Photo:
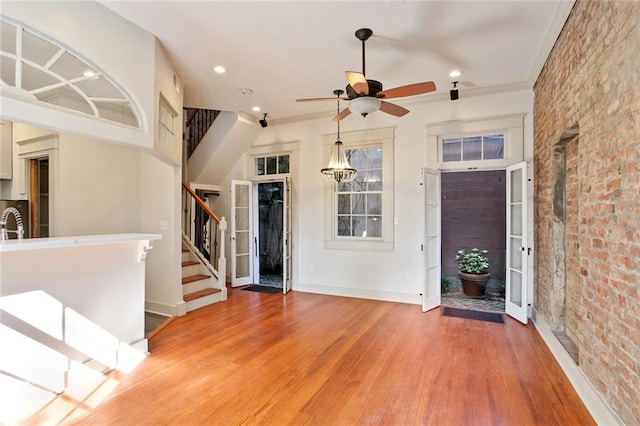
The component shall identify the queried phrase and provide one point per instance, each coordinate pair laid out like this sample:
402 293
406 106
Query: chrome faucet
4 234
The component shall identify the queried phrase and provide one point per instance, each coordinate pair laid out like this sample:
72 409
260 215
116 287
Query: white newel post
222 260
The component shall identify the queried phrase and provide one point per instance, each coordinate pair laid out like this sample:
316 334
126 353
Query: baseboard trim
165 309
384 296
592 399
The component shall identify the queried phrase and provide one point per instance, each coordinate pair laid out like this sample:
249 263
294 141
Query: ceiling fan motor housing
374 87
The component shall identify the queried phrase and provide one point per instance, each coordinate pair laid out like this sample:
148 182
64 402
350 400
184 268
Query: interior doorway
473 215
269 235
39 197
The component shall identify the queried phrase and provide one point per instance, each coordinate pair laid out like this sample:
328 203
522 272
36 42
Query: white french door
241 233
287 236
432 240
516 262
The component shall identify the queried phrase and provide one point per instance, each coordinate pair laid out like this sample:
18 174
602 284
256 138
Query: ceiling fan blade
320 99
393 109
408 90
345 112
358 82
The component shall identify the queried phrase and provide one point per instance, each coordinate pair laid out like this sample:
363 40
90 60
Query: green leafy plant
473 262
445 284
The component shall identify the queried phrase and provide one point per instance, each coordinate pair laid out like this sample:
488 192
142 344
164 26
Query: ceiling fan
367 96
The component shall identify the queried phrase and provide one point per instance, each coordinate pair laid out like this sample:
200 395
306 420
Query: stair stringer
229 137
202 267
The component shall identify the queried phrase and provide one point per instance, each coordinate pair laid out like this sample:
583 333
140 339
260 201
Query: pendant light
339 168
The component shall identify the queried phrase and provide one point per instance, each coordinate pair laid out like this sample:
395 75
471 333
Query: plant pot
473 284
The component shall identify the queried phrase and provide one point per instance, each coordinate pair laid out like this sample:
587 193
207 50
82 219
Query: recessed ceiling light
256 108
220 69
455 73
89 73
246 91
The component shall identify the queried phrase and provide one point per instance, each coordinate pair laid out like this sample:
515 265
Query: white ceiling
297 49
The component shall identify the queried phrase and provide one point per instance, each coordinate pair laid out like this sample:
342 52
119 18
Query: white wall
395 275
160 213
98 188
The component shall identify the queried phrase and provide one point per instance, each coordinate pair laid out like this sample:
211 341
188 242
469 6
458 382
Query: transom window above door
272 165
473 148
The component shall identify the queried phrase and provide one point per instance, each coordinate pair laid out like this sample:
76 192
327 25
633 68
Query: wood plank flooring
308 359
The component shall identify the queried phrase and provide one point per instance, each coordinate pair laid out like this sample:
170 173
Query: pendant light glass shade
339 168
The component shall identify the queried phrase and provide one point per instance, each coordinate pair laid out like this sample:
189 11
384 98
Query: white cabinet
6 159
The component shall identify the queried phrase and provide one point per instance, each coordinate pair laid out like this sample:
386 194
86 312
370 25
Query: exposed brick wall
474 215
592 80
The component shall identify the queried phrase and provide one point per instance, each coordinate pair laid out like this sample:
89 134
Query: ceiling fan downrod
363 35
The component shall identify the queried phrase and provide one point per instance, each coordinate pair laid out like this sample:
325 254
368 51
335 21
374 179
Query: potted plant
473 269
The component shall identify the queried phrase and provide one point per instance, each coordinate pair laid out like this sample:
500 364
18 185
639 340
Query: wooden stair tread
189 263
192 278
200 293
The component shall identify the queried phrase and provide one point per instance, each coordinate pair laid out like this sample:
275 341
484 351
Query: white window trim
384 137
511 126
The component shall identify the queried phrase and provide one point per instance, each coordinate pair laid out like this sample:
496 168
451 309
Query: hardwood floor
323 360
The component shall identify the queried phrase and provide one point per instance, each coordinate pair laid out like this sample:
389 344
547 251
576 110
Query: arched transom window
36 67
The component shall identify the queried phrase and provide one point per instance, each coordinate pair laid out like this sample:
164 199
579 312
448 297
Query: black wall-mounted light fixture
263 122
453 93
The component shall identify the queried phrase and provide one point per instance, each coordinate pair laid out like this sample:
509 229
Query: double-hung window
359 202
359 214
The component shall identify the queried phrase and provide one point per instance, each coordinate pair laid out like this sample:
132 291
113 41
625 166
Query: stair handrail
200 202
206 237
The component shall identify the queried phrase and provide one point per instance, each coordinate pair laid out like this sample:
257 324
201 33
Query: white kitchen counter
83 240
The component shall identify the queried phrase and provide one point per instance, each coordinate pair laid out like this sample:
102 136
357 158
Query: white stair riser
192 270
186 255
204 301
197 285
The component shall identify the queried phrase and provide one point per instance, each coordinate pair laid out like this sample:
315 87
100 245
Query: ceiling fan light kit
364 105
366 95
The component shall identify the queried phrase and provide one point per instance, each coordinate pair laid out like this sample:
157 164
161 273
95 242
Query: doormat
263 289
471 314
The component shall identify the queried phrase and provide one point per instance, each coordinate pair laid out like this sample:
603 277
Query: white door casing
516 262
286 236
241 233
431 297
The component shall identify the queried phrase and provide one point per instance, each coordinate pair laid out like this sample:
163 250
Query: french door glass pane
515 296
516 187
516 220
516 253
242 265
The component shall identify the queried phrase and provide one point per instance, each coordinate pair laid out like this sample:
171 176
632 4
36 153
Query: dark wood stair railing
197 123
200 224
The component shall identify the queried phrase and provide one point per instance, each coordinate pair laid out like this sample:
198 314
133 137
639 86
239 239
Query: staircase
199 286
202 282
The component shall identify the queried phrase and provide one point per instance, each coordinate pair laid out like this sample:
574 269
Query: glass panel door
241 233
516 279
432 246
